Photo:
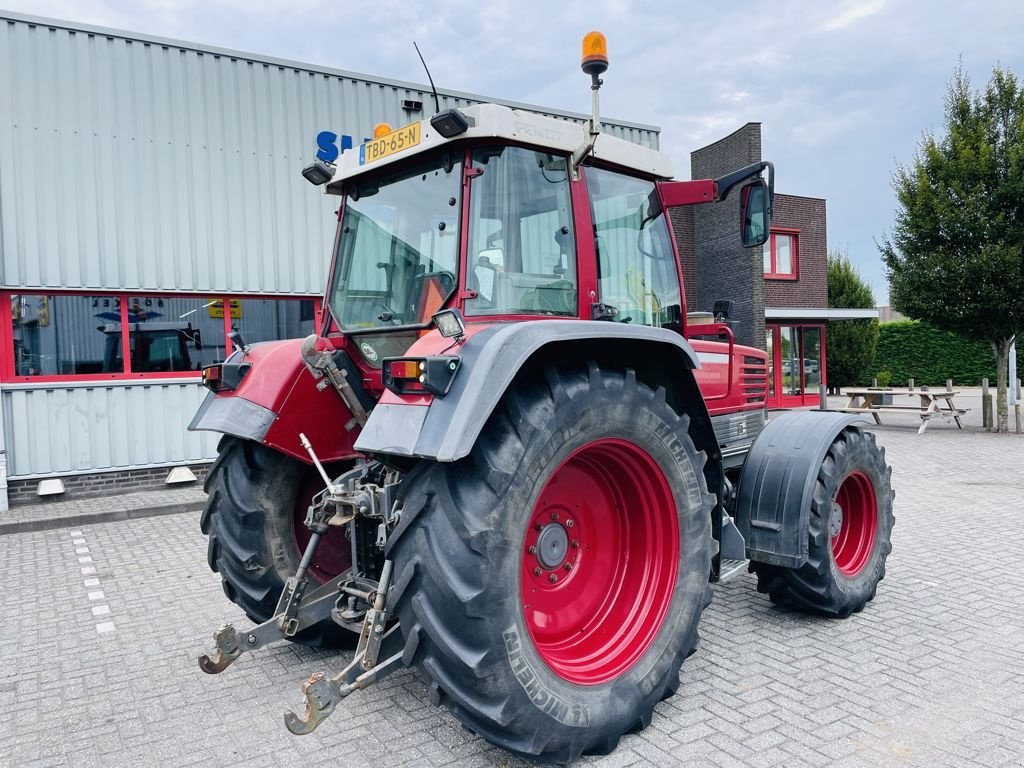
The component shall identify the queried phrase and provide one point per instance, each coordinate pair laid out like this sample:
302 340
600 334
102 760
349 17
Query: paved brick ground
98 668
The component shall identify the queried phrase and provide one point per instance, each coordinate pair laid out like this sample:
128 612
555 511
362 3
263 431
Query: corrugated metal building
150 199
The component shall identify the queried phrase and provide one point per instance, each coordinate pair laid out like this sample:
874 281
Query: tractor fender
773 501
277 398
447 428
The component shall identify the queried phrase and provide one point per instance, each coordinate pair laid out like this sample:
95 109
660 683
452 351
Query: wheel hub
552 545
836 524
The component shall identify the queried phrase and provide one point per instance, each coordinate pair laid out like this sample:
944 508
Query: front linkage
360 499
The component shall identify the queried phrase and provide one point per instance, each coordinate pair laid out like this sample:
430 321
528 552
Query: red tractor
507 459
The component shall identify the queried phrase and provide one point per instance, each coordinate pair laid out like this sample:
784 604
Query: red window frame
7 332
772 273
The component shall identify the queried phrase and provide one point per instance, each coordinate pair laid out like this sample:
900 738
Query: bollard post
949 385
986 405
822 396
874 383
910 385
1016 407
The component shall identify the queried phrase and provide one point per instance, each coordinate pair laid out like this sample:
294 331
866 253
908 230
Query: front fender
446 428
773 503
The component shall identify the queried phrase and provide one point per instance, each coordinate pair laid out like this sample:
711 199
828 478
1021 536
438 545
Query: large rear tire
256 500
550 584
850 533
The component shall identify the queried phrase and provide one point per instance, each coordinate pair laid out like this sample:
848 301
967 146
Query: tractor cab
503 221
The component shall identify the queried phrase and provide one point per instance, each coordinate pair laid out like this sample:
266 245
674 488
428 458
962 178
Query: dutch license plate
396 141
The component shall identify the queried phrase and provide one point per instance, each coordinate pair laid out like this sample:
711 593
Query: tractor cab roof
504 124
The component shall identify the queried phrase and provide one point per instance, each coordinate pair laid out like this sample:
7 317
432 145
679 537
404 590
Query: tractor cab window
522 251
636 267
398 248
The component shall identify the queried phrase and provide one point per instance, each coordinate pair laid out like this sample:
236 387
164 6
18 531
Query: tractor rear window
522 249
398 248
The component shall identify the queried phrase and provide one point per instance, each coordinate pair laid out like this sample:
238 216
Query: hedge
908 349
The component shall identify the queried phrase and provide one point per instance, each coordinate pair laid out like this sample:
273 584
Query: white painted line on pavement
82 550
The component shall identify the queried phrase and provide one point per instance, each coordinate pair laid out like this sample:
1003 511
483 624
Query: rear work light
420 375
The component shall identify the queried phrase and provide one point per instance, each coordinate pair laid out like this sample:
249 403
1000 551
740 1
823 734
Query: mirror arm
725 184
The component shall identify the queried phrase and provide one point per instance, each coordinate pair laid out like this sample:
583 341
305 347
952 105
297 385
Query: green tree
851 343
956 256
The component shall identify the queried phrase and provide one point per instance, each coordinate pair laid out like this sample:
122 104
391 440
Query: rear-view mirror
754 205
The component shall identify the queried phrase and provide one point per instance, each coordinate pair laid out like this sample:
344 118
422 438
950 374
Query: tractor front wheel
849 530
550 584
256 504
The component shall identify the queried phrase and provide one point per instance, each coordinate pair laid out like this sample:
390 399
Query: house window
129 336
780 255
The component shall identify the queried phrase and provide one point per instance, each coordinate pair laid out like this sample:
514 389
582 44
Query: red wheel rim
854 523
334 552
599 561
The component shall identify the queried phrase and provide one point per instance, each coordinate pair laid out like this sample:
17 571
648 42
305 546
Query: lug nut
532 550
538 527
575 545
552 578
251 639
554 515
568 566
569 523
536 571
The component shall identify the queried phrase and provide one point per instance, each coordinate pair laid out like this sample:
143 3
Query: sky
844 90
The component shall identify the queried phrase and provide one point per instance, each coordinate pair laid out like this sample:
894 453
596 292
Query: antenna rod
437 104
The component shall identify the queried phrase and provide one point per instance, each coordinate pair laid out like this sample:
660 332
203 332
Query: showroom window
130 336
780 255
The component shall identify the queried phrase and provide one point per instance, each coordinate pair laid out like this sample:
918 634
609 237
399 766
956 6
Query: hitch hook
322 696
228 649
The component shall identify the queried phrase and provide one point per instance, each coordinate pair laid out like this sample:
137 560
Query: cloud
852 13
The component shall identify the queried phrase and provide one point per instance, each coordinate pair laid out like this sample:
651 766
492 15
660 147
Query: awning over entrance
817 313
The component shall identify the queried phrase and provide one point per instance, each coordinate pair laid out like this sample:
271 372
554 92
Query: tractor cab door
637 270
521 253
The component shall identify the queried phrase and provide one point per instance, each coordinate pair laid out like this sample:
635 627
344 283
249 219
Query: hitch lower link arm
293 613
323 693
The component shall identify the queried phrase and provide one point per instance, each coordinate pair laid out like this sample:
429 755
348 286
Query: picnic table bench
931 402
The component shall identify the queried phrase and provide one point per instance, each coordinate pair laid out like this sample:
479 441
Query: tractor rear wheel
850 533
550 584
256 504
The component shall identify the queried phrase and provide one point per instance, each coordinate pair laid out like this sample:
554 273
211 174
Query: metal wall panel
91 428
139 163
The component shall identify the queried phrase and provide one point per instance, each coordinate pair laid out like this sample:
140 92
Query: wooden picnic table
931 402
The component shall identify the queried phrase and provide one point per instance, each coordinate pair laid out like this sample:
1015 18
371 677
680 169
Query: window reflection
56 335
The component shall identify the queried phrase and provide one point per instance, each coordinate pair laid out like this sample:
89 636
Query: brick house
779 293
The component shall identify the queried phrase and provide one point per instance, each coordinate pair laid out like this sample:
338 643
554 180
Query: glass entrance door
795 364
